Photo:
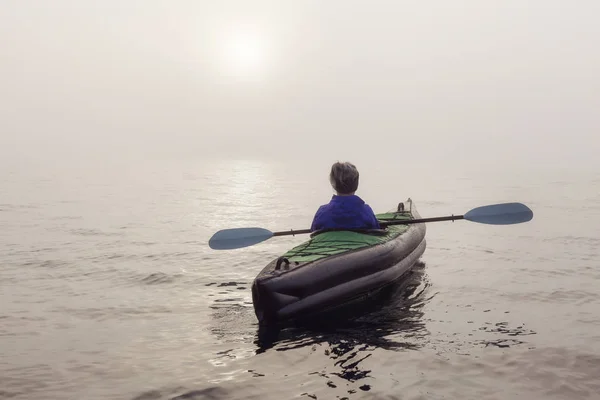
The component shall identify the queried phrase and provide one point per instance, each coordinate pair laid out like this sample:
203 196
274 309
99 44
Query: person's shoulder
328 204
368 208
360 200
322 208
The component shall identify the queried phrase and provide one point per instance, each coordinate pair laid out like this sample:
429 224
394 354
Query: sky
464 82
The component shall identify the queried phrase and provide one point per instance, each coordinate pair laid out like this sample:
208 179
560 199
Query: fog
447 83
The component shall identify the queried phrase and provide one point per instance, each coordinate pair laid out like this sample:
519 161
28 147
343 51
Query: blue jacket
345 212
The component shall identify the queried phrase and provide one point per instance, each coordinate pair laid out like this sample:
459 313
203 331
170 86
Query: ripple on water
115 312
214 392
94 232
232 311
158 278
229 293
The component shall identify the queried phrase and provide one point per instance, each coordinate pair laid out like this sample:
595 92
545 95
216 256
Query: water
108 288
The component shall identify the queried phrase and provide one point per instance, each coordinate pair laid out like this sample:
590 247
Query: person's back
345 210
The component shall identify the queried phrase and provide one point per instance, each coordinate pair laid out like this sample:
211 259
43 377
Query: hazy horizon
499 83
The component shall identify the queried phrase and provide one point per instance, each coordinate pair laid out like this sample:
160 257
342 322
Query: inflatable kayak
337 267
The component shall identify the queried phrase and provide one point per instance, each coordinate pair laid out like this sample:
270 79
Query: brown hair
344 177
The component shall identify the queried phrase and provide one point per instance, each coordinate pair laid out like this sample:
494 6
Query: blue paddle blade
236 238
500 214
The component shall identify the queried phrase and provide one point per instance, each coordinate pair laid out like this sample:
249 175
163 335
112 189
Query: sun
245 54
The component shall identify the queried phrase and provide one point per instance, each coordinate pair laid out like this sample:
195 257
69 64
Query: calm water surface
108 289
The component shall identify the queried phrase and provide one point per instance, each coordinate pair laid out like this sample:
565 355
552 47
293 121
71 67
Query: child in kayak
345 210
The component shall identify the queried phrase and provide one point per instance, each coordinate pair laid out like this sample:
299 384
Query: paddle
496 214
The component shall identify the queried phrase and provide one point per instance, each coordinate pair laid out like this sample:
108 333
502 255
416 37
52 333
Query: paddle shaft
422 220
292 232
383 224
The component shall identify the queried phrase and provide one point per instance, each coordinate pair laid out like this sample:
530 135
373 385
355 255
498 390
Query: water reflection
391 321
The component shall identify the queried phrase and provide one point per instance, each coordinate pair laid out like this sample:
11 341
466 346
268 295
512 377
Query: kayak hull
285 291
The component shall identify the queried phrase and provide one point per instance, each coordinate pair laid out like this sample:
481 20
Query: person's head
344 178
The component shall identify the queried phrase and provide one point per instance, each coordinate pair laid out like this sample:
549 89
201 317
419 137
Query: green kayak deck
336 242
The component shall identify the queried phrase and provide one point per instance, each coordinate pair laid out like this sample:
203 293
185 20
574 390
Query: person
345 210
